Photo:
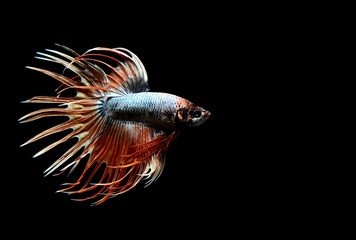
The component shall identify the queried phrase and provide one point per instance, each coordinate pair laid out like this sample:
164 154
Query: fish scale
146 107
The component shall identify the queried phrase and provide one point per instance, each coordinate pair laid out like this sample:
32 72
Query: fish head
191 115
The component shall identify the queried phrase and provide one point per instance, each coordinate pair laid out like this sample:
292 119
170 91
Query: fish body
118 123
158 110
147 108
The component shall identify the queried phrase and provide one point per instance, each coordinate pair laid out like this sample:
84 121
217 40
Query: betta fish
117 121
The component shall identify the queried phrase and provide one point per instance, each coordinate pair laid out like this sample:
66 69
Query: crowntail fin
129 151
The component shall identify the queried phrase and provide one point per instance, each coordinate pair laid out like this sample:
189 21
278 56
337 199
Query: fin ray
128 151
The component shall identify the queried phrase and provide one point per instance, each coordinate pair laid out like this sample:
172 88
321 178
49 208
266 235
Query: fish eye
196 114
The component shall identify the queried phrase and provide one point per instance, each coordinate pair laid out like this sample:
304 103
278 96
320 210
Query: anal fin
130 152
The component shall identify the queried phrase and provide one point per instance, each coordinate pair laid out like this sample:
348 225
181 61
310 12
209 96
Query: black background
233 174
183 54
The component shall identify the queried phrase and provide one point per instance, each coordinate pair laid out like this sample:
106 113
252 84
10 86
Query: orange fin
128 151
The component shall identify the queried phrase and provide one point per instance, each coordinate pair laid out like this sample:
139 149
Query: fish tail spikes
129 152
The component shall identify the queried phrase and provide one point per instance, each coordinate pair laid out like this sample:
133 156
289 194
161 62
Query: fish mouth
206 114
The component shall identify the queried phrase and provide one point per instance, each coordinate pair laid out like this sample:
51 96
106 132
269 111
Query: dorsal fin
128 74
116 71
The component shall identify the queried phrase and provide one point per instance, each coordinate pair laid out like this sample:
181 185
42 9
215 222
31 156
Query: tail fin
129 152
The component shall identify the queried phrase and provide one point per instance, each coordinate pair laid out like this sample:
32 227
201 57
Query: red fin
128 151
